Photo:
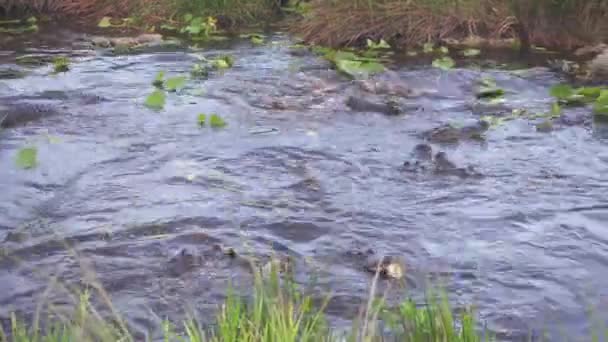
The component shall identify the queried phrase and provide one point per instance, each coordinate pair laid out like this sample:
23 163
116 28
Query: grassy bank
277 311
552 23
230 12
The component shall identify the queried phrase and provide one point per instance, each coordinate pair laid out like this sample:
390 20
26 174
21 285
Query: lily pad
216 121
561 91
357 68
175 83
471 52
444 63
156 100
27 158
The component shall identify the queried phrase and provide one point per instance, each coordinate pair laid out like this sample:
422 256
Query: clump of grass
276 311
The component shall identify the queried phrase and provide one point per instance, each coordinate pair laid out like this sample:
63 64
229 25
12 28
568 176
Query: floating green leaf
471 52
444 50
444 63
159 79
175 83
561 91
216 121
156 100
489 90
358 68
556 110
105 22
382 44
188 17
61 64
590 93
428 47
27 158
601 104
201 119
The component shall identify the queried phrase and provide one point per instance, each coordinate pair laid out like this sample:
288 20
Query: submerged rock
185 260
423 160
359 104
451 134
15 114
146 39
11 74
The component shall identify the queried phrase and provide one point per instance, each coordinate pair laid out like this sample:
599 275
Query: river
126 187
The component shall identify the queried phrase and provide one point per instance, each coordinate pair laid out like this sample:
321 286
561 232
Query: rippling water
527 244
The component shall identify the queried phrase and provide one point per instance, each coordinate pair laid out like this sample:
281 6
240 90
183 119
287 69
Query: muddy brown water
127 187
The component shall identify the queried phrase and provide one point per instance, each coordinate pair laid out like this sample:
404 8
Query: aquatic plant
444 63
471 52
350 63
61 64
382 44
600 108
489 90
159 80
17 26
156 100
199 28
223 62
216 121
27 158
199 71
175 83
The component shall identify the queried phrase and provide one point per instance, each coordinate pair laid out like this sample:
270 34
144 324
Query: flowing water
125 187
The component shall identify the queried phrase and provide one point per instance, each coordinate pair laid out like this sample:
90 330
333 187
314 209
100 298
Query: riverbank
559 25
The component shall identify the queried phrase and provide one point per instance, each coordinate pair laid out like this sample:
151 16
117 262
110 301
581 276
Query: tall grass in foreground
277 312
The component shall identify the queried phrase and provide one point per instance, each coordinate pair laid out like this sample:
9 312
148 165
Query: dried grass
409 22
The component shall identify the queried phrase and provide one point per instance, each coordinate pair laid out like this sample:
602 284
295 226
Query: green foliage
18 26
216 121
201 118
175 83
105 22
382 44
27 158
223 62
568 95
61 64
600 108
199 71
199 28
159 80
444 50
358 68
428 47
489 90
471 52
156 100
444 63
351 63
